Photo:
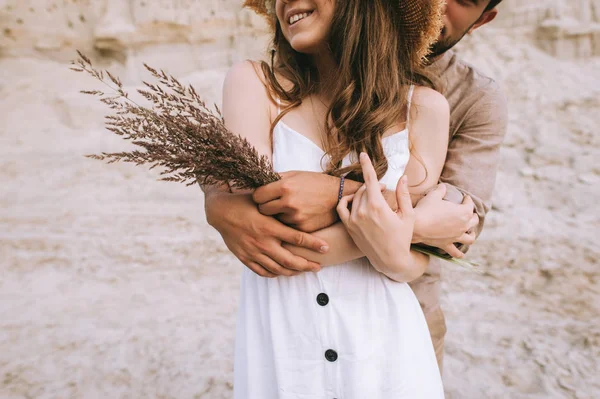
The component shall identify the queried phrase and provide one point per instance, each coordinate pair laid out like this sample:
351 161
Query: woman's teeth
298 17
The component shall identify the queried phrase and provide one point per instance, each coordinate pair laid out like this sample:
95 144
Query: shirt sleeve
474 153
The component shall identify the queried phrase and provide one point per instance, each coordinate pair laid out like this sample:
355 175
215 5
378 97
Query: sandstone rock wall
180 35
114 286
190 35
566 29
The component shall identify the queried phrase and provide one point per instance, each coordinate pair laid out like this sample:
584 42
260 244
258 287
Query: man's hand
303 200
442 224
256 240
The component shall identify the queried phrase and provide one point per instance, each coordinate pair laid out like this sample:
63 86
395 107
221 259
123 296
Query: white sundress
346 332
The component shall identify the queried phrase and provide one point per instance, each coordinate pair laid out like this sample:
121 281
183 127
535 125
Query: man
303 202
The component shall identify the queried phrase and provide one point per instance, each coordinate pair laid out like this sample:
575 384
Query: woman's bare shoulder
430 100
429 109
246 105
429 131
245 75
249 77
429 119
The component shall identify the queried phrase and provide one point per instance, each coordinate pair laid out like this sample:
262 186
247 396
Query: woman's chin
305 45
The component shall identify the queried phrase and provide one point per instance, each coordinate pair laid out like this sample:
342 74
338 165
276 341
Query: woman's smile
299 17
305 24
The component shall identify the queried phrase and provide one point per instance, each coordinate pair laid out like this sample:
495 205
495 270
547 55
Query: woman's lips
298 16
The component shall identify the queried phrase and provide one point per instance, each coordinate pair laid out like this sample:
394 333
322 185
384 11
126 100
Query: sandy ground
112 285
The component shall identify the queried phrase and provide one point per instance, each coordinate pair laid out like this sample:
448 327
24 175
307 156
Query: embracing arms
474 152
450 215
309 199
255 239
429 139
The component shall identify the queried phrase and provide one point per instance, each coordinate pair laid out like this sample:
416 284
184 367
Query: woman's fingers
467 239
474 222
453 251
405 207
342 208
468 202
359 204
370 176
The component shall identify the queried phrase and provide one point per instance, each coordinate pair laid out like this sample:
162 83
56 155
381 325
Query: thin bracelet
341 193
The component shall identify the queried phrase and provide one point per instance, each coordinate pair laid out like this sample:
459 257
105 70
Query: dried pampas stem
179 133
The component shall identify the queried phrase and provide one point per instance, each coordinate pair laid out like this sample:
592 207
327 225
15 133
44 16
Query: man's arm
253 238
469 176
256 240
474 153
430 141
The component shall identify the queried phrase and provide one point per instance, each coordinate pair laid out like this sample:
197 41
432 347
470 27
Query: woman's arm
246 106
253 238
430 117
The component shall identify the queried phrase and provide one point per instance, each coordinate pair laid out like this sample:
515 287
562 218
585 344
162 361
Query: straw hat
422 21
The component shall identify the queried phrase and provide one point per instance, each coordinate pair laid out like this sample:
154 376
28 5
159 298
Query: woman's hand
444 224
384 236
303 200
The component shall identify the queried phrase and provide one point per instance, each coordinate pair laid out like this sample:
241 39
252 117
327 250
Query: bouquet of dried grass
184 137
179 133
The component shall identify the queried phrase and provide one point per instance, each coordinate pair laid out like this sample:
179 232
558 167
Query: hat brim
422 20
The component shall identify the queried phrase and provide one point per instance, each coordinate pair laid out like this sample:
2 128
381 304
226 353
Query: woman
342 84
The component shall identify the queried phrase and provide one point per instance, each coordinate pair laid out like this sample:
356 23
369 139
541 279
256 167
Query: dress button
331 355
322 299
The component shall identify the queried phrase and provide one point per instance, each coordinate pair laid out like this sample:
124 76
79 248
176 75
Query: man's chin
437 51
441 47
444 44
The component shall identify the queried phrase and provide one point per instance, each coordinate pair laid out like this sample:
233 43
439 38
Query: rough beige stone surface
112 285
566 29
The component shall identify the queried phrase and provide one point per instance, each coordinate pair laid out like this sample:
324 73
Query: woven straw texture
422 20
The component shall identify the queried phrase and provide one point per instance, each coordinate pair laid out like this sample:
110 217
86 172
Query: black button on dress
322 299
331 355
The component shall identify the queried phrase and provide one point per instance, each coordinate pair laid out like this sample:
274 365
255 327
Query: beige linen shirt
478 120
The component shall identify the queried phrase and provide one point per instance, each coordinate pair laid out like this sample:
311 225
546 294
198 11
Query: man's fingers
274 267
301 239
289 261
453 251
271 208
405 207
258 269
289 220
267 193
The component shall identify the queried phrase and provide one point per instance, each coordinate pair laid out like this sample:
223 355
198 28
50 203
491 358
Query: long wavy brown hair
370 94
